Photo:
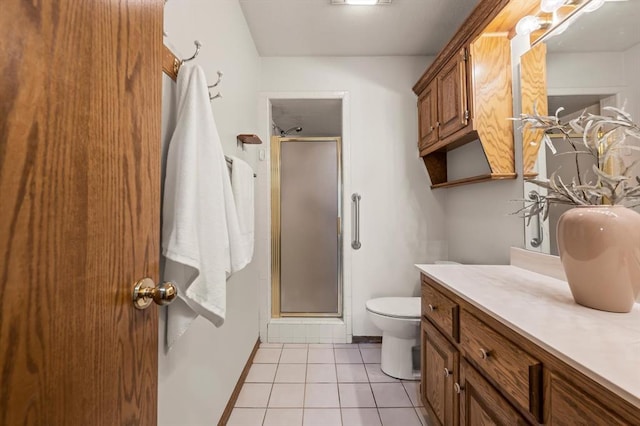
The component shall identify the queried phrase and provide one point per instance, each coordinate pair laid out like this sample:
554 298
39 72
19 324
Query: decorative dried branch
603 137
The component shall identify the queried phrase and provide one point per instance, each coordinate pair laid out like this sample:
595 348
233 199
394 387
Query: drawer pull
484 354
457 388
447 373
432 308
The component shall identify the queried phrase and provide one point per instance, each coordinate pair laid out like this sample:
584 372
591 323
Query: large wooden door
80 99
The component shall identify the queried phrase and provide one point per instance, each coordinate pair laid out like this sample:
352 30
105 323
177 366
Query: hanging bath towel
243 195
196 218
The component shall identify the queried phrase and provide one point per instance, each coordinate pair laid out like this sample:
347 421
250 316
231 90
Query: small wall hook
220 74
216 96
198 46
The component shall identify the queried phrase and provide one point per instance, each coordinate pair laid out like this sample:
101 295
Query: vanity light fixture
550 6
361 2
593 5
529 24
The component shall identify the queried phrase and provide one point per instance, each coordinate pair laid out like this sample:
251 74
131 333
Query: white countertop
604 346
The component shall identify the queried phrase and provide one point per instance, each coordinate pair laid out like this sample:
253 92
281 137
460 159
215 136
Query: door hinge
467 115
465 55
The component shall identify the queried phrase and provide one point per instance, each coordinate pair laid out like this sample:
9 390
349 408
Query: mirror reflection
591 62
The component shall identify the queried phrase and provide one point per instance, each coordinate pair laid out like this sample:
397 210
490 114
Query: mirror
591 63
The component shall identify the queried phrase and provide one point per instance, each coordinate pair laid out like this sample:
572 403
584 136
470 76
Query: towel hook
220 74
216 96
198 46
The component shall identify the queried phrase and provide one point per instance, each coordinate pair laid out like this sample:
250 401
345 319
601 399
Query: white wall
197 376
402 220
480 226
572 73
632 79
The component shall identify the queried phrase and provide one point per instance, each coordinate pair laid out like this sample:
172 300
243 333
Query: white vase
599 248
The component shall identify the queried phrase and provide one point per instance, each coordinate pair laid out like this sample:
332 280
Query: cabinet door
428 116
568 405
481 404
440 362
453 102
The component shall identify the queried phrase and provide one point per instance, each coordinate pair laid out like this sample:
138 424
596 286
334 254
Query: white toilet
399 320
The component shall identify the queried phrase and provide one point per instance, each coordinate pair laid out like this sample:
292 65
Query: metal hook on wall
216 96
198 46
220 74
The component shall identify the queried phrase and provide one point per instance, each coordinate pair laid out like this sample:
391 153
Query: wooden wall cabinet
428 117
491 375
471 80
453 102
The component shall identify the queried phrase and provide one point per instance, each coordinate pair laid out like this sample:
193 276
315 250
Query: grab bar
355 243
537 241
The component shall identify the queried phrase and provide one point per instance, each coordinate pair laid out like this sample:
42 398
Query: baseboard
366 339
236 391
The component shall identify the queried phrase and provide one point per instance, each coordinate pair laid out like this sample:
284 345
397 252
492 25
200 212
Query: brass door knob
145 292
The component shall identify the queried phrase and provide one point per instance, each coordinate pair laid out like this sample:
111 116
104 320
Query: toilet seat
395 307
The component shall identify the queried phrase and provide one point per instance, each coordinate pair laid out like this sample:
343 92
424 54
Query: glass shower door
307 189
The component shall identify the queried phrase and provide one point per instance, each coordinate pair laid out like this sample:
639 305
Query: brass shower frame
276 141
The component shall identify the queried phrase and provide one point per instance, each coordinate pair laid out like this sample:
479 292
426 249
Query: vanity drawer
516 372
441 310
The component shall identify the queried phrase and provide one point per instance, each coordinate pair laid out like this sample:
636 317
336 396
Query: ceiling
317 28
612 28
317 117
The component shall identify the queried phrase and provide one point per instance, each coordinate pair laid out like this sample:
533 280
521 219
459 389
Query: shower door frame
276 142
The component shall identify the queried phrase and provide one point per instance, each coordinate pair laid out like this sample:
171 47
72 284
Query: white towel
195 230
243 194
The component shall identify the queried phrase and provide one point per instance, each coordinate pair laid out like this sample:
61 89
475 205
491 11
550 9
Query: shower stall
306 227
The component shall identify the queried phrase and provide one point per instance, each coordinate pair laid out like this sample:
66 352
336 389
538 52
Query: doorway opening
306 208
306 226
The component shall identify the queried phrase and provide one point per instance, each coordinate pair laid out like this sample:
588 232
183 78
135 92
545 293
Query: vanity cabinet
481 404
478 371
569 405
454 339
440 372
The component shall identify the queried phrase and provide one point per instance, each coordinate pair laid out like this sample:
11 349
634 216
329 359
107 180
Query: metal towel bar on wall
537 241
355 243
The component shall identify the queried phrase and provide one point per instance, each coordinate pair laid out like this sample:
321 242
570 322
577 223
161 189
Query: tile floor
325 385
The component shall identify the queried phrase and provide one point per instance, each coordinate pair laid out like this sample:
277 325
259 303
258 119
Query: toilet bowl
399 320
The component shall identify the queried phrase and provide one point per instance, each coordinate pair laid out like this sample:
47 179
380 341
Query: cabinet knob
484 354
431 128
432 308
457 388
447 373
437 124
